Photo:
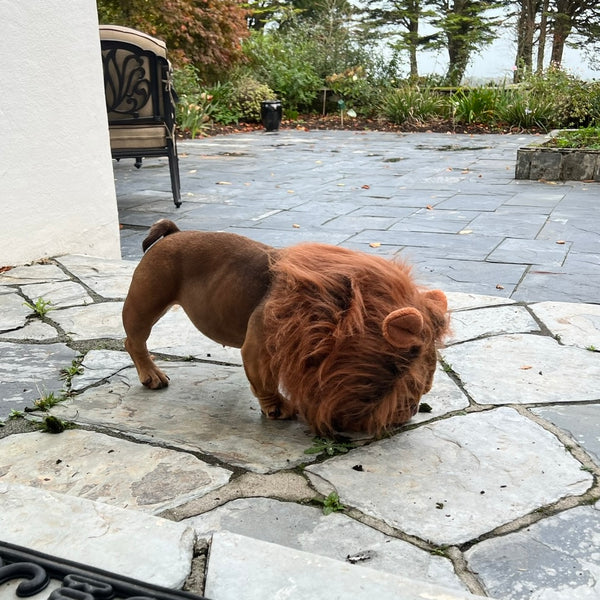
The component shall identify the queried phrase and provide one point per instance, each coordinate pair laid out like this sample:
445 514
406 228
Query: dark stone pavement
448 204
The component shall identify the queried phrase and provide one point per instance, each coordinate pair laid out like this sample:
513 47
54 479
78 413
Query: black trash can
270 114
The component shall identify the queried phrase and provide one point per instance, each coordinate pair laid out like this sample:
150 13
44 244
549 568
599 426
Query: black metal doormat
79 582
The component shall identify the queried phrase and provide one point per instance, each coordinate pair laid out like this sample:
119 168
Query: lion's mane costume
350 338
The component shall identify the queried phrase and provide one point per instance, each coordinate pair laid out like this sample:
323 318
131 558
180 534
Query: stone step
243 568
121 541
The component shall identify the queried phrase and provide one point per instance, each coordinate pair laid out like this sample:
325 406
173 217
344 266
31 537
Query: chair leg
138 162
174 171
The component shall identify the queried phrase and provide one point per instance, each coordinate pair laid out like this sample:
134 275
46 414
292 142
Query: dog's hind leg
142 309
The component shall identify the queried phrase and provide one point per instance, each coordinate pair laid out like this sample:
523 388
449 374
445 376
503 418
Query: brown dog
343 339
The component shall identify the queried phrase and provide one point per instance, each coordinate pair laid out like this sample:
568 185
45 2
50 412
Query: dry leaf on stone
375 244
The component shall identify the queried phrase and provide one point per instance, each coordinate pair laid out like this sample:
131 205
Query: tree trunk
560 31
525 31
413 36
542 38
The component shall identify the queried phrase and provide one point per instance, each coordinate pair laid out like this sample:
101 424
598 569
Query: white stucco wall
56 180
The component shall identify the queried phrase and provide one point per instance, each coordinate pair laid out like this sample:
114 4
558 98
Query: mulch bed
333 122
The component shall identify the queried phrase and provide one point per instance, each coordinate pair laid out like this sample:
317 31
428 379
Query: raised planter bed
557 164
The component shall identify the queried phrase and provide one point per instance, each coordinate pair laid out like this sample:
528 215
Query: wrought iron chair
140 100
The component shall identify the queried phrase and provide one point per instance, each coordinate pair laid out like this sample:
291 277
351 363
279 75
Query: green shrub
522 109
353 87
285 64
247 95
411 104
575 102
476 105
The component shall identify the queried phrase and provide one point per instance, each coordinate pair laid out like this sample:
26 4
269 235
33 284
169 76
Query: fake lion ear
403 327
437 297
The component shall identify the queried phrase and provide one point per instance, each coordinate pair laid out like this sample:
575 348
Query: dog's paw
155 380
277 409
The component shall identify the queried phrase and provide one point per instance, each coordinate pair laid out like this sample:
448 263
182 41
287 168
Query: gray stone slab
120 541
176 335
573 324
496 320
581 422
523 369
33 330
98 365
513 224
206 408
473 202
553 559
60 294
91 322
463 301
530 252
98 467
235 560
444 397
435 221
32 274
13 312
454 480
468 276
335 536
108 278
30 371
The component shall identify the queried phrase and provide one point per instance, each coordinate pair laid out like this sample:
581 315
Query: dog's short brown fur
342 339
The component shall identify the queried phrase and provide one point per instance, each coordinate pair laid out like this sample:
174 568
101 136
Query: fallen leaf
223 182
561 242
465 171
193 171
375 244
429 207
366 187
296 226
465 231
290 192
526 367
499 287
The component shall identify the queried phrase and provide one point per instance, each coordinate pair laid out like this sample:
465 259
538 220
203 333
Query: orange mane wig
350 337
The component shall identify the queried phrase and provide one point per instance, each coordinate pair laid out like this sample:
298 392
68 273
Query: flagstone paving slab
98 365
60 294
472 324
454 480
33 330
207 408
236 560
464 301
30 371
176 335
100 467
523 369
100 535
35 273
110 280
13 312
336 536
580 421
91 322
574 324
553 559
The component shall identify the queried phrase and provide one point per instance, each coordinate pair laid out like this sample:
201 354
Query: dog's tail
161 228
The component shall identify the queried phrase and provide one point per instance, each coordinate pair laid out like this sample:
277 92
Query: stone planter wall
557 164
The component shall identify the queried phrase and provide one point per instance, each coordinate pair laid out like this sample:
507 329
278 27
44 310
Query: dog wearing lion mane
341 339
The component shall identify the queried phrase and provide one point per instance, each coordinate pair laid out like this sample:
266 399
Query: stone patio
494 492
